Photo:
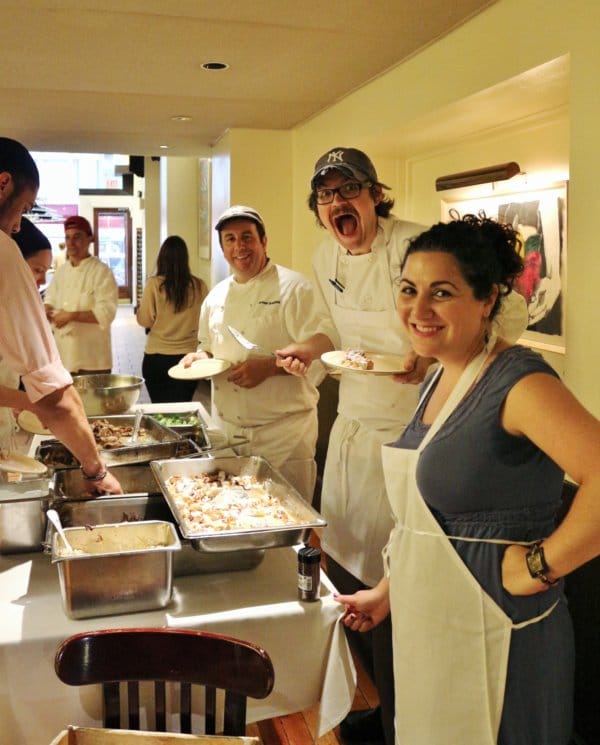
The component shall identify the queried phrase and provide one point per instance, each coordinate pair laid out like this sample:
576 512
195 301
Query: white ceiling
106 76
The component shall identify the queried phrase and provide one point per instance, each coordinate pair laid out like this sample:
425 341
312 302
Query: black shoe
363 727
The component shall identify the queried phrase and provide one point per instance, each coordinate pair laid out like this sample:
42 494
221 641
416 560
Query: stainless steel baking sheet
228 540
56 456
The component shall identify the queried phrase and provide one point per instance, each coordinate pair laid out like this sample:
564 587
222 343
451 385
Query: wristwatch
536 563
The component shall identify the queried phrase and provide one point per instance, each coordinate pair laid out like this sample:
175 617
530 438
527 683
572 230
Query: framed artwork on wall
540 217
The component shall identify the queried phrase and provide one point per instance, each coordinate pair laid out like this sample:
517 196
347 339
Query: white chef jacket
89 286
279 416
372 409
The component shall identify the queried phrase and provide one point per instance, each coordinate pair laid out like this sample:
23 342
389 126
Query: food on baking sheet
217 501
110 435
357 360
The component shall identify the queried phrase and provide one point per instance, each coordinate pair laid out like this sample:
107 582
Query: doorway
112 229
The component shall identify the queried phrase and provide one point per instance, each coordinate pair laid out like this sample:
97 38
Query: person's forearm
13 398
318 345
63 413
83 316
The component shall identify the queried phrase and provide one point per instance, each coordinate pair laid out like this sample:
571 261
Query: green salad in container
183 419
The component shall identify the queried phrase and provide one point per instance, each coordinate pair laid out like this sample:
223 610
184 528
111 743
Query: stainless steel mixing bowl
106 393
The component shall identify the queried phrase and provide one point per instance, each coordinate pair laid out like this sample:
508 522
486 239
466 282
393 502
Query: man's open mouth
345 223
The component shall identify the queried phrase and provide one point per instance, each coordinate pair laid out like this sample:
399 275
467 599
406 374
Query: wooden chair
161 655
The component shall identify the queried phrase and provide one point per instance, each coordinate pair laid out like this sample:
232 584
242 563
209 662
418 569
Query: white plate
28 421
199 369
383 364
17 463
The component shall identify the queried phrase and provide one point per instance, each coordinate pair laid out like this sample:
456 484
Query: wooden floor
299 729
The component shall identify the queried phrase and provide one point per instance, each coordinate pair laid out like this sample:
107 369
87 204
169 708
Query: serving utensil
55 520
136 425
247 344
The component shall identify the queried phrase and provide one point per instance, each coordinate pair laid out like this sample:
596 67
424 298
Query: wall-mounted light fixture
486 175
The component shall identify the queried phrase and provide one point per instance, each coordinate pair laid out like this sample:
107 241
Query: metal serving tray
191 426
55 455
122 568
142 500
23 506
232 540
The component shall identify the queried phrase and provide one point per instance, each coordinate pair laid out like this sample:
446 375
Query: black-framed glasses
349 190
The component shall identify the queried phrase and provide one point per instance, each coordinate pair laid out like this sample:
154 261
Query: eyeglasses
349 190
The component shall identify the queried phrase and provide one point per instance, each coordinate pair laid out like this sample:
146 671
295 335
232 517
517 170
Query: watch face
535 563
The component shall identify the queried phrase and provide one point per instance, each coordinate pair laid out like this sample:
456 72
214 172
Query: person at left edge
271 305
81 303
26 341
37 252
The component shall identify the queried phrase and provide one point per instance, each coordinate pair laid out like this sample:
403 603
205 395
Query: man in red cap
81 303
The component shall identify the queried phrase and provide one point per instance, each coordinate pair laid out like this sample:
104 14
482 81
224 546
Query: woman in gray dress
483 643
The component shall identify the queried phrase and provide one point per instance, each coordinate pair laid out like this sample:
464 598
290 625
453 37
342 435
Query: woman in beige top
169 310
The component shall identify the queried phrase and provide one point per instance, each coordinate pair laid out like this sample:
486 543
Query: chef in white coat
81 303
254 400
356 269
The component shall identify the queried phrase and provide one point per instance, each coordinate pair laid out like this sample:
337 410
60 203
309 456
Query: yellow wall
252 167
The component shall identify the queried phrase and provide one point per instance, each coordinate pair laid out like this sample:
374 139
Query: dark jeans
373 648
161 388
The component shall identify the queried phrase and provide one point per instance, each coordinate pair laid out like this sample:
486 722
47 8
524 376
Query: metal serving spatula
247 344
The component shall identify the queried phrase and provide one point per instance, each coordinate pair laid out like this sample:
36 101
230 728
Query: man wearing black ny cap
356 267
253 399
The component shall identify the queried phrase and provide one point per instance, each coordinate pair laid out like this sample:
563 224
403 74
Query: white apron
372 409
451 639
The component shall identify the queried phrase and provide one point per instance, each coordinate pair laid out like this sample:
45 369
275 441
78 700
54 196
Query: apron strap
465 381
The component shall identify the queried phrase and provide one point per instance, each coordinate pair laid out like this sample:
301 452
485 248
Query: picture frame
540 217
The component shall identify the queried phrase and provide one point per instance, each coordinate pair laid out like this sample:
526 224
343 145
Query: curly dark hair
382 209
486 251
173 264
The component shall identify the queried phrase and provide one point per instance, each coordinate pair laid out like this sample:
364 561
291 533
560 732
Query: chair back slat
210 710
160 705
112 705
185 708
214 661
235 713
133 704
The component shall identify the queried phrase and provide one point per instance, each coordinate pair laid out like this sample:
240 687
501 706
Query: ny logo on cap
336 156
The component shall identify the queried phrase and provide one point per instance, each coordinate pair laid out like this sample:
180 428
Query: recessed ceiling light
215 66
181 118
163 147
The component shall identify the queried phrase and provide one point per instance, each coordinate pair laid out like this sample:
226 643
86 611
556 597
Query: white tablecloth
305 641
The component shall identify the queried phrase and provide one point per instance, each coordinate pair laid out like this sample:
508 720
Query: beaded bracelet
98 477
